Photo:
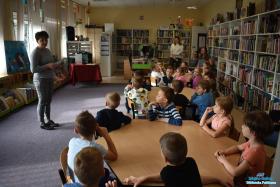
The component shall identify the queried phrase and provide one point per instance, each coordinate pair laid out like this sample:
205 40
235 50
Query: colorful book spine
249 27
248 44
247 58
266 62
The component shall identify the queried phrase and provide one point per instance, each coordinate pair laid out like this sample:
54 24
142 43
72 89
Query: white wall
3 68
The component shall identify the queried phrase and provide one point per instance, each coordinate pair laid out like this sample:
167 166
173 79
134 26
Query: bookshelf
165 39
127 42
248 55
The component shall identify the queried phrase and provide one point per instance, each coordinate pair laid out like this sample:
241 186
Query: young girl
252 161
221 121
197 77
158 74
181 76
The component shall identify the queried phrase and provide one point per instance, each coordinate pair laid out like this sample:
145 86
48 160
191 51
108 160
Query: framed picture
16 57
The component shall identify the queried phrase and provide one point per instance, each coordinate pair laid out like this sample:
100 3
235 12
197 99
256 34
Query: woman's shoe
52 123
46 126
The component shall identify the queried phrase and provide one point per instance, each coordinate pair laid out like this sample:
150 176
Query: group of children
85 156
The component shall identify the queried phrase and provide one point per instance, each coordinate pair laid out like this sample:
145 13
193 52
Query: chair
63 162
234 134
132 106
154 81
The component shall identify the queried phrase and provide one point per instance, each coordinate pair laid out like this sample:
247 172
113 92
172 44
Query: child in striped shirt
163 108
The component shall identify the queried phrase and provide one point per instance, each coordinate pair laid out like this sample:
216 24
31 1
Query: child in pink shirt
221 122
197 77
181 76
256 126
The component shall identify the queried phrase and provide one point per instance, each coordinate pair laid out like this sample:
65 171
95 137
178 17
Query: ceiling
122 3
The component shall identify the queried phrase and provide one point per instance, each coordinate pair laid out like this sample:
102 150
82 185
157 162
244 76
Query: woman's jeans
44 88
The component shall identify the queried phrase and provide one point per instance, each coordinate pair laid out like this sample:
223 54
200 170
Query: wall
154 17
3 69
222 6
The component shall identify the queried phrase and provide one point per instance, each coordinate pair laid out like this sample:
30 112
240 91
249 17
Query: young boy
180 99
110 117
164 108
89 169
168 77
180 170
202 98
86 127
257 125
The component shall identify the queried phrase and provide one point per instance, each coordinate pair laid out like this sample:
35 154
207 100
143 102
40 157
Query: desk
85 73
188 92
139 149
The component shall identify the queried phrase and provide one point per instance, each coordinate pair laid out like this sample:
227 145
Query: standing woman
176 53
42 67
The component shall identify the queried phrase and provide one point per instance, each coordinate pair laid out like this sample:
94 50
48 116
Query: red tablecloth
85 73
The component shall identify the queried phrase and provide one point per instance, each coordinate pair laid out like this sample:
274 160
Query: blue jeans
44 88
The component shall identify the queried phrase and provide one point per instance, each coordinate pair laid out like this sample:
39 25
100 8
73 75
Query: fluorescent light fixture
192 7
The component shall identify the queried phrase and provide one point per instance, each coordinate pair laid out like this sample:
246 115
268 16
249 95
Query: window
15 25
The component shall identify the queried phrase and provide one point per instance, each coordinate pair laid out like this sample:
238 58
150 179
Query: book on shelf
233 55
224 31
234 43
165 33
263 80
269 44
270 23
245 74
249 27
223 43
235 30
266 62
247 58
248 44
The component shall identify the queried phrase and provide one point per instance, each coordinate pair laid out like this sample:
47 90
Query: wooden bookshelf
248 55
165 39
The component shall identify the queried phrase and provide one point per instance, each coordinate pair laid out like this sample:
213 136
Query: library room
113 93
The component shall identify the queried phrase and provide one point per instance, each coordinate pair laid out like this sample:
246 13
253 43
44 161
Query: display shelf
253 46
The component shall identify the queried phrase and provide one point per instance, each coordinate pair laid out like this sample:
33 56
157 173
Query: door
201 40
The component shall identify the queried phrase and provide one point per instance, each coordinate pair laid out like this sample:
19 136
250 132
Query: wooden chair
234 134
63 162
132 106
154 81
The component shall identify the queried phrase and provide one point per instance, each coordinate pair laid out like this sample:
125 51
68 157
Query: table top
188 92
139 149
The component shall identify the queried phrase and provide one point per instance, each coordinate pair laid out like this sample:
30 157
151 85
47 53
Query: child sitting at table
197 77
180 171
89 169
179 99
182 76
221 122
110 117
252 161
139 96
163 108
168 77
202 98
157 73
86 127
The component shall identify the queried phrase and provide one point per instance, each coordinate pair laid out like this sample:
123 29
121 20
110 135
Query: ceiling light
192 7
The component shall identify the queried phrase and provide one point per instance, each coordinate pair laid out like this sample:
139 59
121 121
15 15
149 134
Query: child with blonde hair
197 77
221 122
110 117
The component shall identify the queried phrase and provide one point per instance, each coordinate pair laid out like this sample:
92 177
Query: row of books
266 62
247 58
165 33
274 104
269 44
249 27
234 43
216 52
270 24
223 43
140 40
224 31
245 74
248 44
123 47
163 47
233 55
263 80
182 34
277 89
234 30
127 33
223 53
29 94
231 69
164 40
141 33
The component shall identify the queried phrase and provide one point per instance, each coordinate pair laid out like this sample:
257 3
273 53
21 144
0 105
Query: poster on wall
16 57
